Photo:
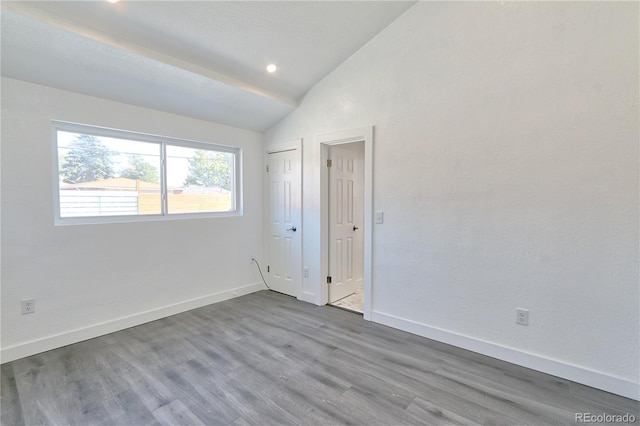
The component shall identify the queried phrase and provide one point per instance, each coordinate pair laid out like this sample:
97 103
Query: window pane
102 176
199 180
125 176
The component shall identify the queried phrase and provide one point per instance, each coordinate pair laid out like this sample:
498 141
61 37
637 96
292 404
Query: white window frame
162 142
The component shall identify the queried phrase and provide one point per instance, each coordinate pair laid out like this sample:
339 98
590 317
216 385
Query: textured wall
506 163
86 275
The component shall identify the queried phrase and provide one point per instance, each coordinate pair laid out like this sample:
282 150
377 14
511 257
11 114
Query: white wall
92 279
506 163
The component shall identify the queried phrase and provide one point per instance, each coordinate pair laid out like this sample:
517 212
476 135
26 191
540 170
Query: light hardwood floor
268 359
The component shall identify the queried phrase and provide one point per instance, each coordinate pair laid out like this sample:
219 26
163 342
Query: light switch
379 217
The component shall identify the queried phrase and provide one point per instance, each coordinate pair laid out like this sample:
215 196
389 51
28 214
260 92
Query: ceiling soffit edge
49 19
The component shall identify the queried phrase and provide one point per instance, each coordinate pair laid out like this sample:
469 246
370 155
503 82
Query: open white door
346 204
284 221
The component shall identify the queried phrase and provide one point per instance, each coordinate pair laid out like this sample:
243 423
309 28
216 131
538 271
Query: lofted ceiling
202 59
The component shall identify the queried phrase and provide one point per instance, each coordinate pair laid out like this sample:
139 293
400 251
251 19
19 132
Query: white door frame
294 144
363 134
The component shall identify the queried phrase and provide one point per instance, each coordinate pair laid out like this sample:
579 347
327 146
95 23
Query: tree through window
108 173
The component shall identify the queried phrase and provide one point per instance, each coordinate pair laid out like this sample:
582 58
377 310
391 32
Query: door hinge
268 268
329 280
329 162
267 169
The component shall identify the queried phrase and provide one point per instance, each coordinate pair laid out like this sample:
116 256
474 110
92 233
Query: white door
346 215
284 221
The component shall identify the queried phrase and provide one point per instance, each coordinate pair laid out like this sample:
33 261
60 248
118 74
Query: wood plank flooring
268 359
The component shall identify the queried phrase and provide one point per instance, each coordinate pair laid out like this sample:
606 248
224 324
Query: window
105 175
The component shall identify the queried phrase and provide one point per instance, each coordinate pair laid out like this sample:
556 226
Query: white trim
308 297
100 220
284 146
162 142
582 375
33 347
363 134
164 197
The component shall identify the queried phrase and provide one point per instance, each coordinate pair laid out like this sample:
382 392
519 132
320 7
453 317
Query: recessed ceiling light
272 68
113 1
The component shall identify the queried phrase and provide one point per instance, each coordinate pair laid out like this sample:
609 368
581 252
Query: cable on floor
260 270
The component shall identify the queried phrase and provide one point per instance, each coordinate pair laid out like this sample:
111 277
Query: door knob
355 228
293 228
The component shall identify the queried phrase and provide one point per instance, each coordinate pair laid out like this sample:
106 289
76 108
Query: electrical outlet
305 272
28 306
522 316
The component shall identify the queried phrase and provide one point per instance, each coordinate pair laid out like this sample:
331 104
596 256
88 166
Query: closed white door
284 221
346 247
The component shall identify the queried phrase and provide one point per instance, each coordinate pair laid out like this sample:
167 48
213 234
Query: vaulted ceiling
203 59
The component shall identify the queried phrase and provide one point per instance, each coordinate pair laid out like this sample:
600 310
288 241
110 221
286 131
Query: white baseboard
308 297
33 347
556 368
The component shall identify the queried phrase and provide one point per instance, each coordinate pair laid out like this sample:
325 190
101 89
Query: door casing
363 134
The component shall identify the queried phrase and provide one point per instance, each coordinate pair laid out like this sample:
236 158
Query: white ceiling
203 59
